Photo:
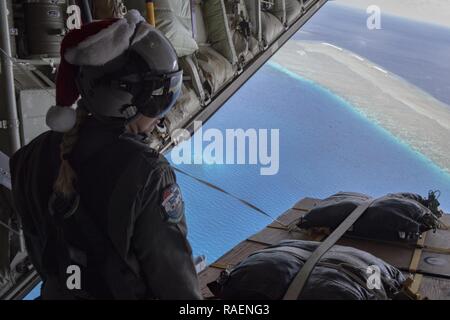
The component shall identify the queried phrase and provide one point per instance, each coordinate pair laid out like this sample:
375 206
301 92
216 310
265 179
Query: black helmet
145 79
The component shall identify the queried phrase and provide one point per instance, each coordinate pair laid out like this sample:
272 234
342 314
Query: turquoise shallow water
326 146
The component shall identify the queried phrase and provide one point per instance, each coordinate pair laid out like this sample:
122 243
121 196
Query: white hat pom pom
61 119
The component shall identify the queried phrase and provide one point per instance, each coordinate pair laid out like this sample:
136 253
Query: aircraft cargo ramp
427 262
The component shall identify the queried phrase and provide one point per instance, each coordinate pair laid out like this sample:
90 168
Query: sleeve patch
172 204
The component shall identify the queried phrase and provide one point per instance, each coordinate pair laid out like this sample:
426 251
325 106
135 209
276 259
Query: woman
102 212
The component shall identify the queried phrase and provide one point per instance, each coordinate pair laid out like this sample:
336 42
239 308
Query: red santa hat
94 44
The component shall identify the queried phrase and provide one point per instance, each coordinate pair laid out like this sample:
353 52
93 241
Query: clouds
430 11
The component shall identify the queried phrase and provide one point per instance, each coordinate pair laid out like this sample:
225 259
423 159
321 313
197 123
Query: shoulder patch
172 204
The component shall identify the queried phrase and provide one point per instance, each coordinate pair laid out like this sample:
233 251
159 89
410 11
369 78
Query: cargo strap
411 287
297 285
414 265
219 265
437 250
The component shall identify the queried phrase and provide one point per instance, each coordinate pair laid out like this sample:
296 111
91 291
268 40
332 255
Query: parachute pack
348 246
343 273
397 216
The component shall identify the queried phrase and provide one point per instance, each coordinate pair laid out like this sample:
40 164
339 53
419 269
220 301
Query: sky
430 11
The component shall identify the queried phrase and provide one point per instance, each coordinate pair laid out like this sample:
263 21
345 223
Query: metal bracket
5 175
5 124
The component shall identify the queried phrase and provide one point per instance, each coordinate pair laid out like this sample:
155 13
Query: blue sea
418 52
326 146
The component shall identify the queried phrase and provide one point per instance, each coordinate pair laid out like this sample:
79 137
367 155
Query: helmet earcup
100 97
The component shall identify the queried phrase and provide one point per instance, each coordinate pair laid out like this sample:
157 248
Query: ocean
326 146
417 52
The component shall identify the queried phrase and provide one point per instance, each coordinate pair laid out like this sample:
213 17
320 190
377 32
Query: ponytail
64 184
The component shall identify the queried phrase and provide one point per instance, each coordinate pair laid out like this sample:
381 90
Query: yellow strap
415 285
437 250
219 265
443 226
279 228
411 287
414 265
415 260
151 13
421 241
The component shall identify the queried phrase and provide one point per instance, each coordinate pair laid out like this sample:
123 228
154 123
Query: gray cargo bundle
173 18
399 216
343 273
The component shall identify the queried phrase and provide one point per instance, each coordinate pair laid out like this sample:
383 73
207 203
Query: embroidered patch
172 204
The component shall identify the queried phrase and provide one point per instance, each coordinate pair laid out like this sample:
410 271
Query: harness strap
113 266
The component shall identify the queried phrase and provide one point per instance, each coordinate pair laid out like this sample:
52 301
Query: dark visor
153 95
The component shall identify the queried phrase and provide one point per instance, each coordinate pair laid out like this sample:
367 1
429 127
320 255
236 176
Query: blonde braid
64 182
